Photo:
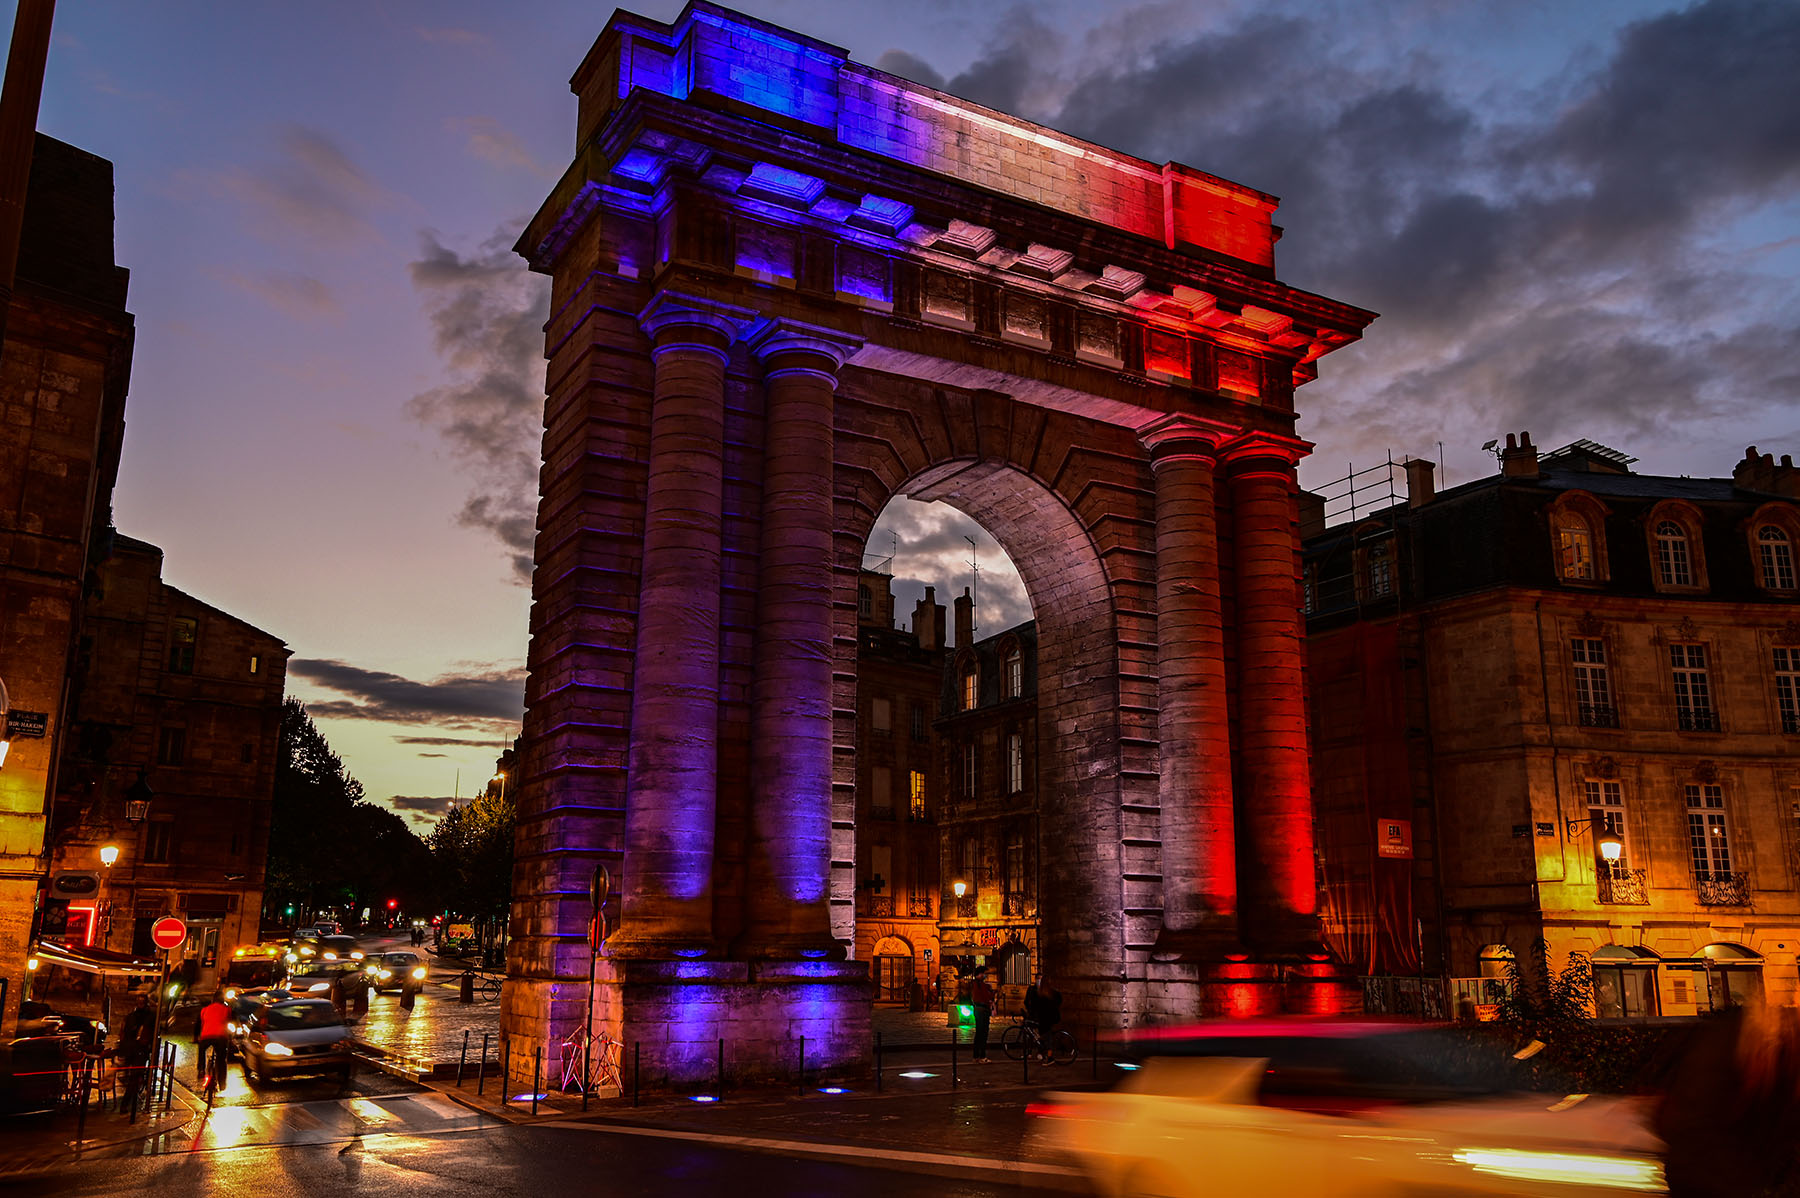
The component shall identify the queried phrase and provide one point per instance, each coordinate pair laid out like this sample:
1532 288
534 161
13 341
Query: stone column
789 902
1199 846
1277 872
667 888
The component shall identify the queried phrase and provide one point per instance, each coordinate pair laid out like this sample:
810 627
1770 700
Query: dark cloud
463 701
434 754
909 66
487 314
452 742
1565 255
921 545
430 805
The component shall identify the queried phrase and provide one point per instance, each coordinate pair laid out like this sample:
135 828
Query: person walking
981 998
136 1038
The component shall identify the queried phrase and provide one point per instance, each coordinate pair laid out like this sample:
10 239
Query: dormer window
1674 564
971 688
1012 673
1575 550
1775 558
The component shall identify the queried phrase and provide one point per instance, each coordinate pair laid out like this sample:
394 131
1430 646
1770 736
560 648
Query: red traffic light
392 903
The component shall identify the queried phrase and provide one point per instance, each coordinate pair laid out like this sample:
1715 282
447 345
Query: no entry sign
168 932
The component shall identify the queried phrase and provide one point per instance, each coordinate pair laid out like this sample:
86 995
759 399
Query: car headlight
331 956
306 952
385 974
356 956
277 1050
290 958
230 994
318 986
1570 1168
419 973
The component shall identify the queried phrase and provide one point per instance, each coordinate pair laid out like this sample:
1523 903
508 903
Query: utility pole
974 588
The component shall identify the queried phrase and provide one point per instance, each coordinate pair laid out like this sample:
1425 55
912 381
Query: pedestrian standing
981 998
136 1039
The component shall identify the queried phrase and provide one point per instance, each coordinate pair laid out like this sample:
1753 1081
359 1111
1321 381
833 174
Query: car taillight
1052 1110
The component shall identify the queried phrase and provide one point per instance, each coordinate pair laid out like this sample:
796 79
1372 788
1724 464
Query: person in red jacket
212 1033
981 997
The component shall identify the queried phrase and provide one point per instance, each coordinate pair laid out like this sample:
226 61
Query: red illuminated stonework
786 288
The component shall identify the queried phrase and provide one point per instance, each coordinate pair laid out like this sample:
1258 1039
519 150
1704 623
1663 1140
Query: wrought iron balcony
1016 904
1598 715
1624 886
879 906
965 907
1696 719
918 906
1723 889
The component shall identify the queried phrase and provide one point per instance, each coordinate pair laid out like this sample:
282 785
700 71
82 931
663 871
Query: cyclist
1043 1007
212 1033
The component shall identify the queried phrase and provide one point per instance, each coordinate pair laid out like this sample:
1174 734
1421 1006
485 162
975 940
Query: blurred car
295 1036
323 948
32 1072
246 1003
316 977
395 971
40 1019
1328 1109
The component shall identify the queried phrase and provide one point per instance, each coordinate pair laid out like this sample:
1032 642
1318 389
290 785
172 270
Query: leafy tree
473 850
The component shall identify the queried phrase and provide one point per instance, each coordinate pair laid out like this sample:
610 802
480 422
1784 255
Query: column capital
1247 453
805 347
671 318
1178 437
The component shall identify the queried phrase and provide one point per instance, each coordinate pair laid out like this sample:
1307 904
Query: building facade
991 844
1515 676
64 373
898 798
174 724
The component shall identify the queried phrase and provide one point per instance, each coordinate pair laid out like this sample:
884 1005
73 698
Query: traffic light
392 903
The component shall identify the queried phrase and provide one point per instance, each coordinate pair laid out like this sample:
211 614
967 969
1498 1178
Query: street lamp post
109 856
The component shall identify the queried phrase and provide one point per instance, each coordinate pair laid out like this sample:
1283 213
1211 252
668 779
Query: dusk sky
1578 219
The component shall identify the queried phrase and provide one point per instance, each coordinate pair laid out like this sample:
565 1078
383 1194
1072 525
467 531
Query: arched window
1574 549
1674 562
1775 554
971 687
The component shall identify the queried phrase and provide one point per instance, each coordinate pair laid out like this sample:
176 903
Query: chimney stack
928 620
1759 472
1520 458
1420 482
965 620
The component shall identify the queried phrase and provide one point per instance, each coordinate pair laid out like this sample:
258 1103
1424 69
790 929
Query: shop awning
96 960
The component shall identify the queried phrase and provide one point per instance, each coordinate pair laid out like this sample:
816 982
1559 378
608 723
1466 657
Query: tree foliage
473 850
328 846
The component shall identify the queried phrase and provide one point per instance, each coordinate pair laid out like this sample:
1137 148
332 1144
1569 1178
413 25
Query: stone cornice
1179 436
671 310
1259 446
782 338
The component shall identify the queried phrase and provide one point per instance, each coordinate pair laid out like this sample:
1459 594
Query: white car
1354 1109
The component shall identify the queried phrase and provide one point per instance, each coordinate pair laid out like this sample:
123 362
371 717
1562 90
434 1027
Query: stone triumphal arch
787 287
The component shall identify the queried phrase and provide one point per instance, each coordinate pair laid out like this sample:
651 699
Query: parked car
315 977
1327 1109
395 971
295 1036
40 1019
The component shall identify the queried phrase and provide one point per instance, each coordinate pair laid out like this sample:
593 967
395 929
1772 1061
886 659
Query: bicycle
215 1069
1024 1037
576 1050
486 986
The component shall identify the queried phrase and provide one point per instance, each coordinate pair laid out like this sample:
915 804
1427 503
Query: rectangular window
1693 691
970 690
1593 689
1015 763
1015 864
1606 814
1381 571
881 793
1576 547
1015 675
969 864
159 840
1308 601
171 746
182 635
1709 843
918 721
969 771
255 663
1787 688
881 715
915 786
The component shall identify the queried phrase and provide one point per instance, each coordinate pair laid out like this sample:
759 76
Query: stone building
898 673
174 720
63 377
1512 676
988 749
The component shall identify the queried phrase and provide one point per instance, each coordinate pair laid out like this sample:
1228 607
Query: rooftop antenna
974 586
1443 467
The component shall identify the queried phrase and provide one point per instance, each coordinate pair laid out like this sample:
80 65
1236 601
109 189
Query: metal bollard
1096 1054
168 1076
537 1078
721 1089
801 1087
481 1069
955 1081
637 1073
1025 1057
505 1070
463 1060
81 1101
877 1062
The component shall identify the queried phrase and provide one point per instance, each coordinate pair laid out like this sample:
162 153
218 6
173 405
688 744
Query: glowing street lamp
500 777
109 855
959 888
